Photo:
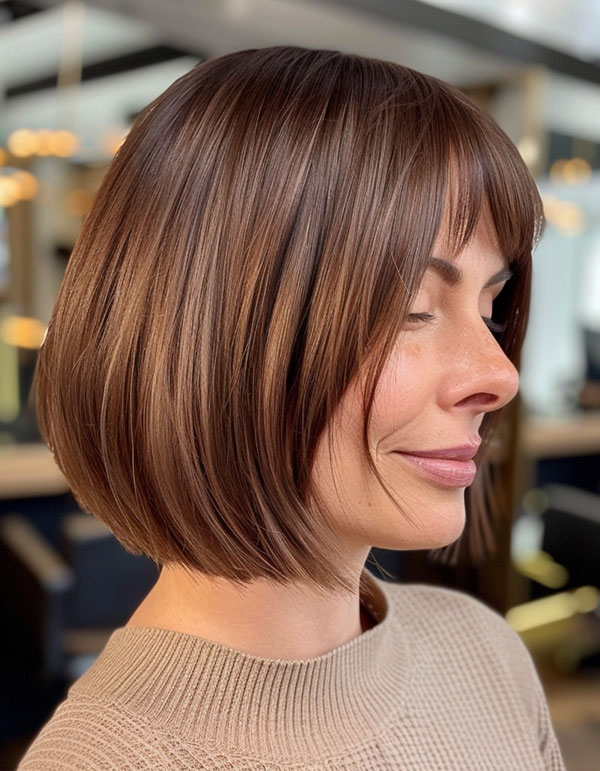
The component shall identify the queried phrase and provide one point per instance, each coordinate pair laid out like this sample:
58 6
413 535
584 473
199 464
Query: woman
282 294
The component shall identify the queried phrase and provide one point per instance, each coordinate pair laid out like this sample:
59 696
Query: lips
449 467
462 453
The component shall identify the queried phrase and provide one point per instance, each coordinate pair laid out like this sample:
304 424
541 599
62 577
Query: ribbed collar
229 700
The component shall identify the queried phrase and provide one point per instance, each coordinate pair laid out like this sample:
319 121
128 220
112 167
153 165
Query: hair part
252 249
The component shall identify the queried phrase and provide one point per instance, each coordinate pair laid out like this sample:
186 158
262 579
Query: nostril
480 399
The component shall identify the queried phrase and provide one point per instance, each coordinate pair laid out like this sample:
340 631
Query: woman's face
434 391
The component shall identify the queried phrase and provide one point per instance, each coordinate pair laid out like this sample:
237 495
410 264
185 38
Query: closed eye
494 326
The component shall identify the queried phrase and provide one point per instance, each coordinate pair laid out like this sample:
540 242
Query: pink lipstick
450 467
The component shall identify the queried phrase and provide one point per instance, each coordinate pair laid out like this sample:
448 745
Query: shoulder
440 604
462 627
467 646
455 609
83 735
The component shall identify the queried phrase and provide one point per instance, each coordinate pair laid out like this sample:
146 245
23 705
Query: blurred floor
574 703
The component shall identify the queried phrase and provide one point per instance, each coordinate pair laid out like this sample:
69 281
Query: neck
294 624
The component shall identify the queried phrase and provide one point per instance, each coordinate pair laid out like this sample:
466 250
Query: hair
253 247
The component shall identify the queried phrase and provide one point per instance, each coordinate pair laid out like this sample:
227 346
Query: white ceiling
572 26
30 48
31 44
215 27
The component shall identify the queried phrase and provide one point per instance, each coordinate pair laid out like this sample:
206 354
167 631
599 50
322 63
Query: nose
481 377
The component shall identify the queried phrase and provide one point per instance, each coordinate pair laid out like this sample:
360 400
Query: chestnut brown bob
253 247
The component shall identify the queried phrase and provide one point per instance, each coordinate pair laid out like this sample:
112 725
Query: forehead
482 249
457 211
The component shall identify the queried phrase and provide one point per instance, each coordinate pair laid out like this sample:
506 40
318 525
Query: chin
429 538
451 533
434 532
426 521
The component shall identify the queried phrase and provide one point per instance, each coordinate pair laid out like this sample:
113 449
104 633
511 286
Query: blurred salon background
73 77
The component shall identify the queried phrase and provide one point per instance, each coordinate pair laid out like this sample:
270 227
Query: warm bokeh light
547 610
64 143
27 184
566 216
540 567
43 142
22 142
25 142
577 171
9 190
570 171
22 331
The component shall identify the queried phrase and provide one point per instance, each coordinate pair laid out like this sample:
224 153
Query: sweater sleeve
85 735
548 742
522 671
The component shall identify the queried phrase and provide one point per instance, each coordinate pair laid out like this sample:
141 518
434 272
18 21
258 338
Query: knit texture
441 682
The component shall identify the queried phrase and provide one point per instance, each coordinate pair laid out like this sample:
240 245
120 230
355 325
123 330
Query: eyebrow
452 275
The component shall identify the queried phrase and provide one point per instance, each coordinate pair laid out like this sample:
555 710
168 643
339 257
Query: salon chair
561 622
60 605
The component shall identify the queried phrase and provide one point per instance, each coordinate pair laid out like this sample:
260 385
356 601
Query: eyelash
493 326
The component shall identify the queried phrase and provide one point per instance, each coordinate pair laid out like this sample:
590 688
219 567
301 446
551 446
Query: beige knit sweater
441 682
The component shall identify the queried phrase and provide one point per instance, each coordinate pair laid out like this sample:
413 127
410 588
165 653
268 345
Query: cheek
404 389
